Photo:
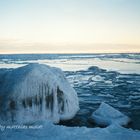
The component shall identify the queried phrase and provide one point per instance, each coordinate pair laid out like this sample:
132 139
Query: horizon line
71 53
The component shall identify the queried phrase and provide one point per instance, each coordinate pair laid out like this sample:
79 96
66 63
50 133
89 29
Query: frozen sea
110 78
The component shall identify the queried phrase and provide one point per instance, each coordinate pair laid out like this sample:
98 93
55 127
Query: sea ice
97 78
107 115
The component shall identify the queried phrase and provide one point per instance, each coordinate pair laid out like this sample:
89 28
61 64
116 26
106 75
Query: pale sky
69 26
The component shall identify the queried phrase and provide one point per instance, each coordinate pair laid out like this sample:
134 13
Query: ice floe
106 115
97 78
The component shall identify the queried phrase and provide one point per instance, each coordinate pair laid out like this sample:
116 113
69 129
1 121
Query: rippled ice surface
112 78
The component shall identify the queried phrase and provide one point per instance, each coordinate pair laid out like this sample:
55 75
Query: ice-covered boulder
106 115
36 92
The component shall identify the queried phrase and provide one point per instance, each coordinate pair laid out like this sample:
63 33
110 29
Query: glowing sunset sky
69 26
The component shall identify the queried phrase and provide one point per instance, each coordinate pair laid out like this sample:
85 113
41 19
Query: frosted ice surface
36 92
106 115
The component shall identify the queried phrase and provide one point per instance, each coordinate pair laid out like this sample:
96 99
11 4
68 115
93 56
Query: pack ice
107 115
36 92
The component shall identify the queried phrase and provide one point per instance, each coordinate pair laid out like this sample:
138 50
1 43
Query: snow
50 131
36 92
106 115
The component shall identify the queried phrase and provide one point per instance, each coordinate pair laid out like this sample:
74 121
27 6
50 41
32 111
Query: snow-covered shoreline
55 132
46 130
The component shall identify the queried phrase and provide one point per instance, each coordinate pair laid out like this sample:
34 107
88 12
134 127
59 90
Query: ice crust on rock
106 115
36 92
